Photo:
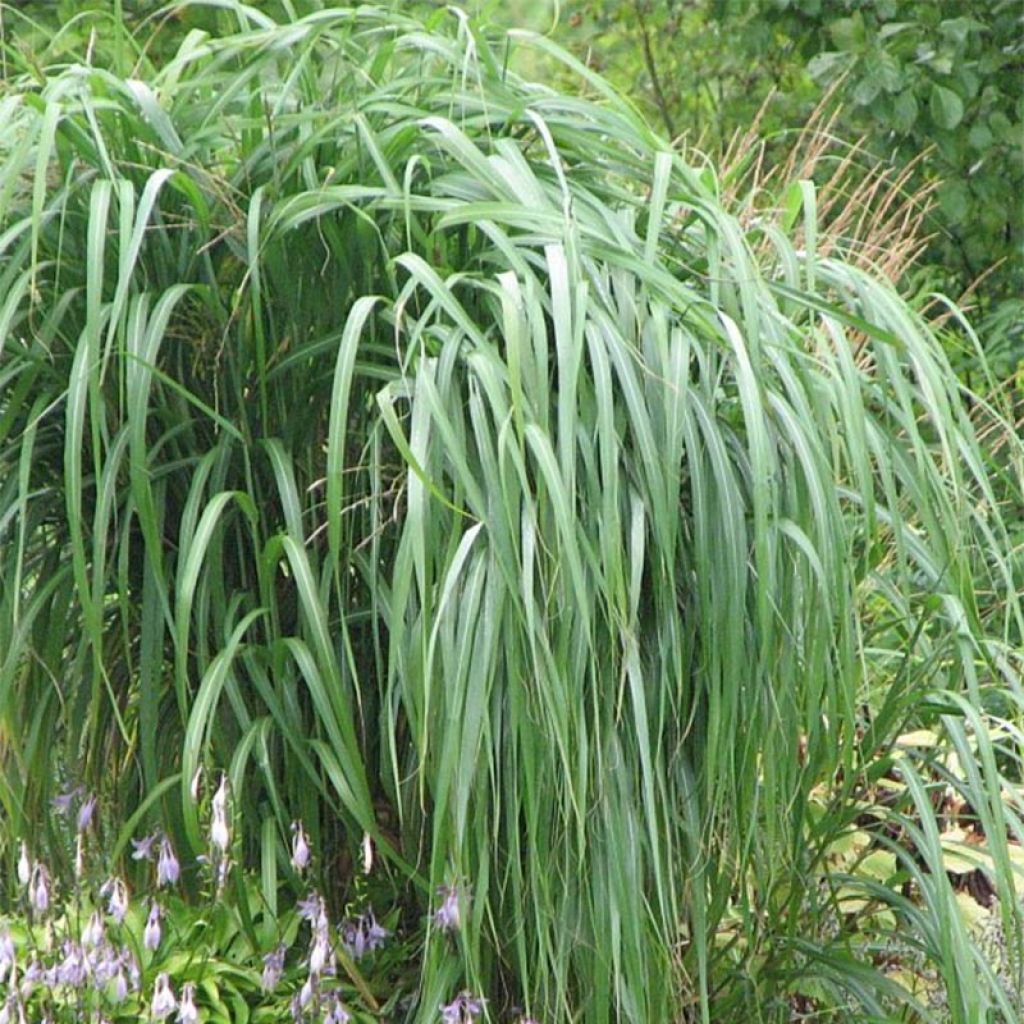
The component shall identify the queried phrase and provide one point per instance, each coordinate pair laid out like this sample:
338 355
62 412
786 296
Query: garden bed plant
95 948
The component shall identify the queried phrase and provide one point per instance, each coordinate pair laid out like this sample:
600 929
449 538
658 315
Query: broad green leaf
946 107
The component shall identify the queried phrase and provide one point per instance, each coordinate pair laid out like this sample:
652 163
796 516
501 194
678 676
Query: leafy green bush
935 84
444 457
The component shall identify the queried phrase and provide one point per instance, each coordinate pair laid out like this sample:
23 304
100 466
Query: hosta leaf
879 865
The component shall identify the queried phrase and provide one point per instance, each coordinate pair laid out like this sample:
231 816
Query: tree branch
652 70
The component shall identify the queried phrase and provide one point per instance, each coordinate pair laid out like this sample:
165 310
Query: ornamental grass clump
487 487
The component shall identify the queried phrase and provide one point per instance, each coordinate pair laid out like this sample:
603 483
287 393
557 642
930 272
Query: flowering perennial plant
314 1001
362 935
97 955
53 966
463 1009
448 917
300 847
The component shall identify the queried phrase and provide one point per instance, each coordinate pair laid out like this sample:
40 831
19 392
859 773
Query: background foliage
937 81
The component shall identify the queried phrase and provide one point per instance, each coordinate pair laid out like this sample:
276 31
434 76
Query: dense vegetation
595 552
930 85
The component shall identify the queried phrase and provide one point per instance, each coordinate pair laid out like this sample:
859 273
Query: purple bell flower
63 801
463 1009
447 917
24 864
164 1002
152 932
143 848
336 1012
300 847
187 1011
8 954
94 932
167 867
85 813
117 898
39 887
362 935
273 967
220 832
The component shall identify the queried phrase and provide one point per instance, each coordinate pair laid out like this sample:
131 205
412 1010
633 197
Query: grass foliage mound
444 458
